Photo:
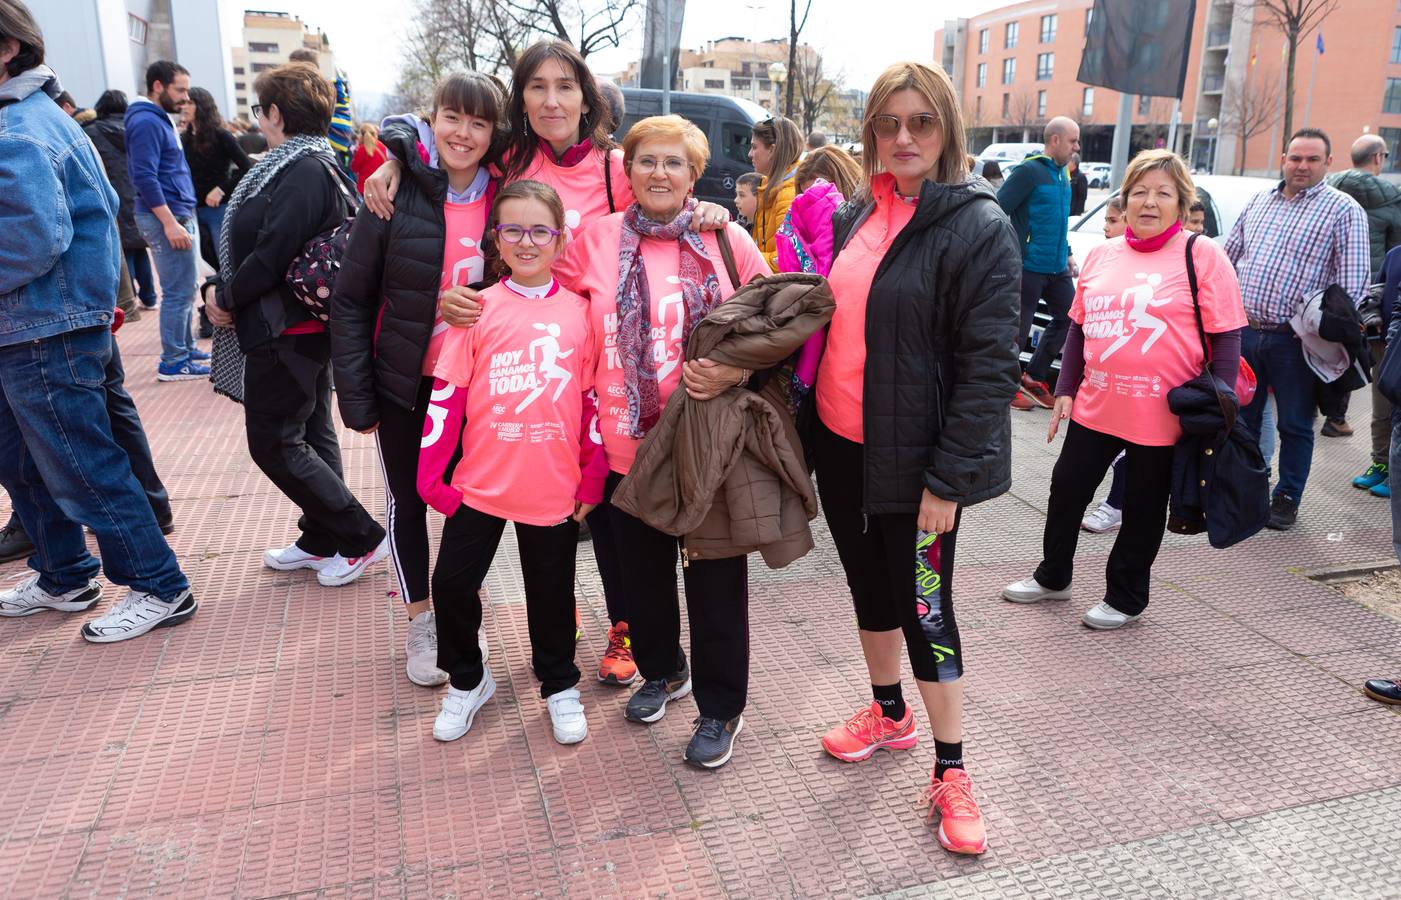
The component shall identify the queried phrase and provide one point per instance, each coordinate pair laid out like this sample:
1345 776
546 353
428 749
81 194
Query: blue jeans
178 271
212 218
63 469
1278 361
138 266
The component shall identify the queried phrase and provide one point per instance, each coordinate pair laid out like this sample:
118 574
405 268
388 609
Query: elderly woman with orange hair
912 398
649 279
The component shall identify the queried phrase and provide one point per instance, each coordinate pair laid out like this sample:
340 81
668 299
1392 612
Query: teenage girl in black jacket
912 400
385 326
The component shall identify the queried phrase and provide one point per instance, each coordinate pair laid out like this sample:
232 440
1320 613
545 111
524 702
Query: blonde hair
668 128
933 84
1162 161
833 164
369 137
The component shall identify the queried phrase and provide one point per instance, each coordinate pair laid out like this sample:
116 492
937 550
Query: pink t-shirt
463 263
841 378
583 188
526 365
1141 334
592 272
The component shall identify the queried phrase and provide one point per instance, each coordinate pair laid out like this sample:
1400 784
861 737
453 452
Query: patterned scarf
700 290
226 366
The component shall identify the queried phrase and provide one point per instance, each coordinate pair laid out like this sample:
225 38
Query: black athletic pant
891 573
470 539
717 607
292 438
1059 291
131 436
610 566
1079 470
398 440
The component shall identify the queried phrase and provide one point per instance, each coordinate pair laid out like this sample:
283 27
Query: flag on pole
1320 43
1138 46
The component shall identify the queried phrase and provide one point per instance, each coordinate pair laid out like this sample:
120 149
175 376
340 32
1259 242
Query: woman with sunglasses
913 425
386 328
774 148
649 279
558 122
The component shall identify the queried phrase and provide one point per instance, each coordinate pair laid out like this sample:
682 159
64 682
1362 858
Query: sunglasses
919 125
539 235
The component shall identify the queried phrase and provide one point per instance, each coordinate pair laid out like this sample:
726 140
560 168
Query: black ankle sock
890 699
947 756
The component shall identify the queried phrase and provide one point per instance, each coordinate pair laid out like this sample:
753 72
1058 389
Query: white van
1012 152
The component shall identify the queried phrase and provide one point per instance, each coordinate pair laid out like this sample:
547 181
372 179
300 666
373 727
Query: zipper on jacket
685 555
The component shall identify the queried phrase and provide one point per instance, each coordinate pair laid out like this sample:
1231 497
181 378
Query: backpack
312 273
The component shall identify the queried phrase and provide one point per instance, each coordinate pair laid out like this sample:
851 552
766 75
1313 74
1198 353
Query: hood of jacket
147 109
729 474
814 207
1370 191
113 128
39 78
403 141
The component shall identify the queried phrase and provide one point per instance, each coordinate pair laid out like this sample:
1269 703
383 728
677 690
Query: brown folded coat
728 473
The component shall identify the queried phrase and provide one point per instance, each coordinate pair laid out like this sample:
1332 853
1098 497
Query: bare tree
1295 19
815 89
600 24
1022 112
1248 108
795 28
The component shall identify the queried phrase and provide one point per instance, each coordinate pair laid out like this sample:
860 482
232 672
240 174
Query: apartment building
268 39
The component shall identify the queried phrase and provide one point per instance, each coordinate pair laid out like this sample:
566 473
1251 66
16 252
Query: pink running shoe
868 731
960 821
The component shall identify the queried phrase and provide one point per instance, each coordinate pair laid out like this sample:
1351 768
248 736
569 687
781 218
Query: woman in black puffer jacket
108 135
385 326
912 404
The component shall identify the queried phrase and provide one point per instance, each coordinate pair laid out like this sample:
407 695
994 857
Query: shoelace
125 605
422 640
957 796
618 645
709 728
864 726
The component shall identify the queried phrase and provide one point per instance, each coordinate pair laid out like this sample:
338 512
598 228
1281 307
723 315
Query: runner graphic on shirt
548 369
1139 299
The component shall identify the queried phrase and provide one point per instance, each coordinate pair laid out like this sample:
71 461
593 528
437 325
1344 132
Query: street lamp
1211 125
778 73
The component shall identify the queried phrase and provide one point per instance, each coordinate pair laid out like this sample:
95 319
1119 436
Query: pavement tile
305 845
168 777
665 864
42 866
58 794
198 857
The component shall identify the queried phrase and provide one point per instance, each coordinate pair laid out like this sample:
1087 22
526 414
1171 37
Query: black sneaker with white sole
137 613
28 598
648 704
713 742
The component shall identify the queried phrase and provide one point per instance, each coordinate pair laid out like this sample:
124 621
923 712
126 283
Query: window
1048 29
978 114
1009 71
136 29
1045 64
983 41
1144 102
240 86
263 67
238 70
1392 104
982 74
263 47
1087 103
717 83
1006 105
1040 104
1396 46
735 139
1392 136
1013 29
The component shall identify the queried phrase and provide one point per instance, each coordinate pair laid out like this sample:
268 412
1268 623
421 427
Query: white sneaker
28 598
1103 617
1104 518
137 613
345 569
567 717
481 642
422 649
1029 590
285 559
460 708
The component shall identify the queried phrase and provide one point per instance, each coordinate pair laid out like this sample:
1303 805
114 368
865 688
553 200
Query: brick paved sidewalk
273 746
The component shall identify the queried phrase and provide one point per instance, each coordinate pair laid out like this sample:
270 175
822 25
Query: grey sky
366 33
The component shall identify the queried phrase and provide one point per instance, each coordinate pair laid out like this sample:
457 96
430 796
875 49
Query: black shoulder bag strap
1228 410
608 179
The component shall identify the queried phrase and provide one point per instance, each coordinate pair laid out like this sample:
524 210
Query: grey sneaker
422 650
29 598
649 702
137 613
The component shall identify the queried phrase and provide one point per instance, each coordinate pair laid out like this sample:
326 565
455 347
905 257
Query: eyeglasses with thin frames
539 235
672 165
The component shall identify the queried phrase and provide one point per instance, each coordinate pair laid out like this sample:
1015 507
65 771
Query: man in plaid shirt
1289 242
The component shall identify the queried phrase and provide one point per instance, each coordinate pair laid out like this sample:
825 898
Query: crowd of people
540 326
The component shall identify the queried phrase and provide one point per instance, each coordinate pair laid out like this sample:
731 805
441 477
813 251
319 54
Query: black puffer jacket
941 349
108 135
386 293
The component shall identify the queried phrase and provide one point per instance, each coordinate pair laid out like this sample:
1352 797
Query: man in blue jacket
1036 196
59 264
165 213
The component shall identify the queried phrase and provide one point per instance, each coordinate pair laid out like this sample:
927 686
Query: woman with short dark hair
292 195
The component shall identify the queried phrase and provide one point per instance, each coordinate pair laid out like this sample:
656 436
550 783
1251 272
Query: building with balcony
1015 67
268 39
